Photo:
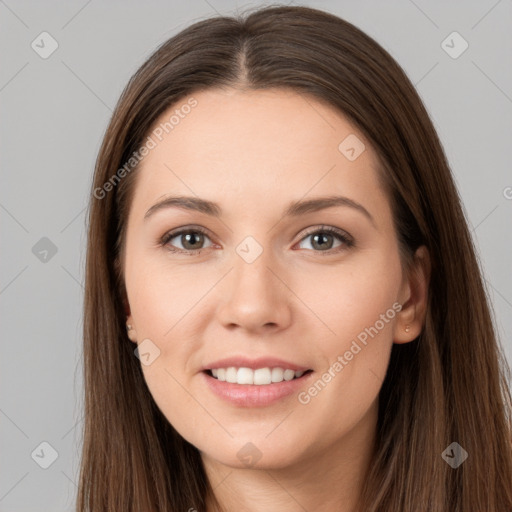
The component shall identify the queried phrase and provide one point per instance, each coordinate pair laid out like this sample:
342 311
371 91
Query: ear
131 332
414 298
132 335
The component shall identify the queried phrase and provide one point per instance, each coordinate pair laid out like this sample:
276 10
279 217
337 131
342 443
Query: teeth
259 377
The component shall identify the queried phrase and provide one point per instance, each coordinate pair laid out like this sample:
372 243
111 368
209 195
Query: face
311 289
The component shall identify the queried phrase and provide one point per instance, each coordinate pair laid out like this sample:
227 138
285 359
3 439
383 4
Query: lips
248 395
254 364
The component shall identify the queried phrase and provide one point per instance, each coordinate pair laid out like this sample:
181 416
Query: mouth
260 377
261 387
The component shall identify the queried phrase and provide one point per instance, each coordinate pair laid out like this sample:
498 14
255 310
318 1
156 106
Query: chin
254 455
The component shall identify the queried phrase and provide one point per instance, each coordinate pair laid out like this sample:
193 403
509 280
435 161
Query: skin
294 301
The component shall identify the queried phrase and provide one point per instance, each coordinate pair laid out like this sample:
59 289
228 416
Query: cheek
163 308
162 304
359 306
349 299
159 295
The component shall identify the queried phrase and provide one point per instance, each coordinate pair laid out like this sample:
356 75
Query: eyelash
348 242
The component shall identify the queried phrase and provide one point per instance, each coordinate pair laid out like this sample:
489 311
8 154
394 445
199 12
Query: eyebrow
294 209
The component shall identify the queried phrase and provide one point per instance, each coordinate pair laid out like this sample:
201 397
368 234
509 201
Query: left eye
321 239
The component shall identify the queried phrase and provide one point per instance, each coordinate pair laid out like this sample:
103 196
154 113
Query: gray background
53 115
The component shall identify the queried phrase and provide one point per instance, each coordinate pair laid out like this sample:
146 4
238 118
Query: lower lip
250 395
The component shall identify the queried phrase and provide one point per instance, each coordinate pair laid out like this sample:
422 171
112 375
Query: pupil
320 236
192 236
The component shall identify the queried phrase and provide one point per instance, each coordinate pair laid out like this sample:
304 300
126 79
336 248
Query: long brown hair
448 385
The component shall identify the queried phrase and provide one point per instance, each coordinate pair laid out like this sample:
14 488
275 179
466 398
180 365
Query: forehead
259 145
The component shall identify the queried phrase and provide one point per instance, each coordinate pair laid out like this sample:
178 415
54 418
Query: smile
262 391
257 377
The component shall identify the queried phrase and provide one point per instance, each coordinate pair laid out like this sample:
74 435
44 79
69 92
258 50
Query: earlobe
130 331
129 321
132 335
411 318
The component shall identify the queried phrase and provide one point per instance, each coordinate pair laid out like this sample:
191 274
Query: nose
254 296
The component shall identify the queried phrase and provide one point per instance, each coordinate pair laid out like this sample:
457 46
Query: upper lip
260 362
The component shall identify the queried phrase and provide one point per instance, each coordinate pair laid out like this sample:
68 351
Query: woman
283 306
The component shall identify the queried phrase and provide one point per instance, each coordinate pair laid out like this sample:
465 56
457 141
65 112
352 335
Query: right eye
190 239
